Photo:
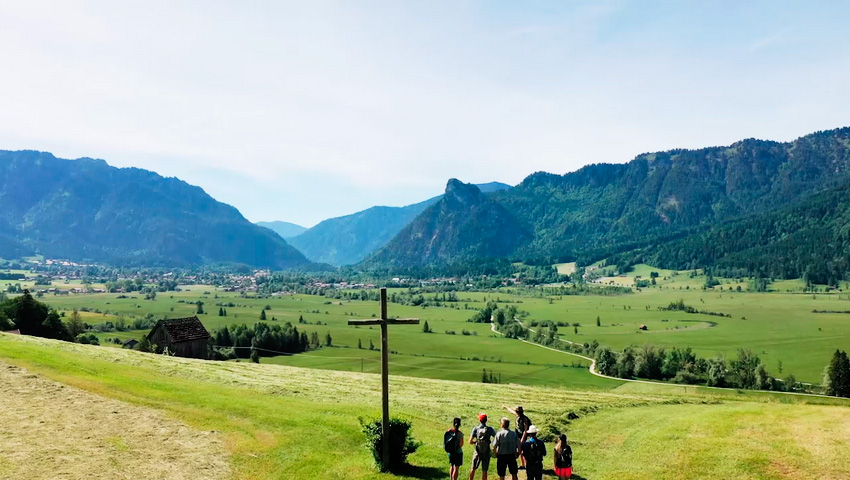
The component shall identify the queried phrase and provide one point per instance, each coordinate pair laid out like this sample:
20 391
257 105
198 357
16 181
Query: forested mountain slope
465 223
349 239
809 239
86 210
605 209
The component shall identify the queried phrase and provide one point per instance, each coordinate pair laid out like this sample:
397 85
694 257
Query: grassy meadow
285 421
779 326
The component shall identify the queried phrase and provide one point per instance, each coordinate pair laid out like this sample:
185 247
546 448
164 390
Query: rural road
593 371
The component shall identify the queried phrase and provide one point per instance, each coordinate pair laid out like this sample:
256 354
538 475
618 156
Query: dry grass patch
49 430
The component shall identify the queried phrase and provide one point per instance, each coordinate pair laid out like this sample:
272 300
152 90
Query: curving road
593 371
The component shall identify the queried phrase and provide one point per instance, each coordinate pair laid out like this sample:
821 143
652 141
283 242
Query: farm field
779 327
264 413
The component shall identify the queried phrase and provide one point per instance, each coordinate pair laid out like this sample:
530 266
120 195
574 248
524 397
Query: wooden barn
185 337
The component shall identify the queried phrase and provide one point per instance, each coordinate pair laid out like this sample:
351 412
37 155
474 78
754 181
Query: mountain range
349 239
607 209
760 207
285 229
86 210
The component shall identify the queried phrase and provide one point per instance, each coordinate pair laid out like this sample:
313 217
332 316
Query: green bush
402 443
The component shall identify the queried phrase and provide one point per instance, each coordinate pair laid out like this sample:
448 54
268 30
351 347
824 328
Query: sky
305 110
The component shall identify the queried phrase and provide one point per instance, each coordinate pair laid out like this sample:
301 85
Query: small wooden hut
184 337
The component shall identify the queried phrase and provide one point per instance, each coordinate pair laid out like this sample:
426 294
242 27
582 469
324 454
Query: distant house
131 343
13 332
185 337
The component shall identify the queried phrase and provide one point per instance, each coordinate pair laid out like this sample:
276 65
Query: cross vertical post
385 379
384 321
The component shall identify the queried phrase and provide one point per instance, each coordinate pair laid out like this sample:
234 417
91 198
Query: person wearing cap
533 450
482 436
522 424
506 447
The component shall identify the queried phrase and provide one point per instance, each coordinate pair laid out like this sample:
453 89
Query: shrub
401 442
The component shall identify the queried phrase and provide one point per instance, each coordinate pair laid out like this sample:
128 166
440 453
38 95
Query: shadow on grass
424 473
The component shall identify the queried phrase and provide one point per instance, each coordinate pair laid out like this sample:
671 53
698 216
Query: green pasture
779 327
281 421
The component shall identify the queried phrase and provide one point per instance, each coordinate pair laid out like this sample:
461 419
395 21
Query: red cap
482 417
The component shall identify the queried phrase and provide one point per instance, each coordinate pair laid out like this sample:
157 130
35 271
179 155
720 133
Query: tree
763 380
5 323
371 345
744 368
606 361
32 317
575 330
262 314
220 311
359 344
716 371
426 328
54 328
837 375
145 345
328 340
200 307
27 313
648 362
75 324
598 321
223 338
255 355
626 363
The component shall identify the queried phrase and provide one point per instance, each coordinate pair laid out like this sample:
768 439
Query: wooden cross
385 354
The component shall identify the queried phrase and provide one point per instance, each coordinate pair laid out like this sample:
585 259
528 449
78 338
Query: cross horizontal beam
389 321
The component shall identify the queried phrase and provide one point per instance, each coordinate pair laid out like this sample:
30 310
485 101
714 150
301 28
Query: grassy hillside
283 421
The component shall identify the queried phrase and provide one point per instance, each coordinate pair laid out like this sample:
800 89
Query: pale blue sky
301 111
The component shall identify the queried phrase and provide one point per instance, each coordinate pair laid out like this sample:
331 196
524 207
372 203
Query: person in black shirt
522 424
563 458
533 450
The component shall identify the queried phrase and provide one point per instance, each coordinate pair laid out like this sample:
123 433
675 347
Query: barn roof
13 332
183 329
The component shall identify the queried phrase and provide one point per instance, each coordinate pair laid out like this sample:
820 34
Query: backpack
534 452
450 441
522 424
482 440
565 458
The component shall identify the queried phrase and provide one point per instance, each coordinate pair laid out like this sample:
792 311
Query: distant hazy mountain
463 224
86 210
284 229
605 209
349 239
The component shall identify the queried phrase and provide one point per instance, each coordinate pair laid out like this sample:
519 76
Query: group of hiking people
507 446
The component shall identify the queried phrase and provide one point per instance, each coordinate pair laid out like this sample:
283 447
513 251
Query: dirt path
52 431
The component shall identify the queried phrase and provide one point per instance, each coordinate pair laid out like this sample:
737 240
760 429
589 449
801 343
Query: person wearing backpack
453 442
563 458
522 424
533 450
482 437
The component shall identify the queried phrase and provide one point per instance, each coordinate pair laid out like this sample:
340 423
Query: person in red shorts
563 458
